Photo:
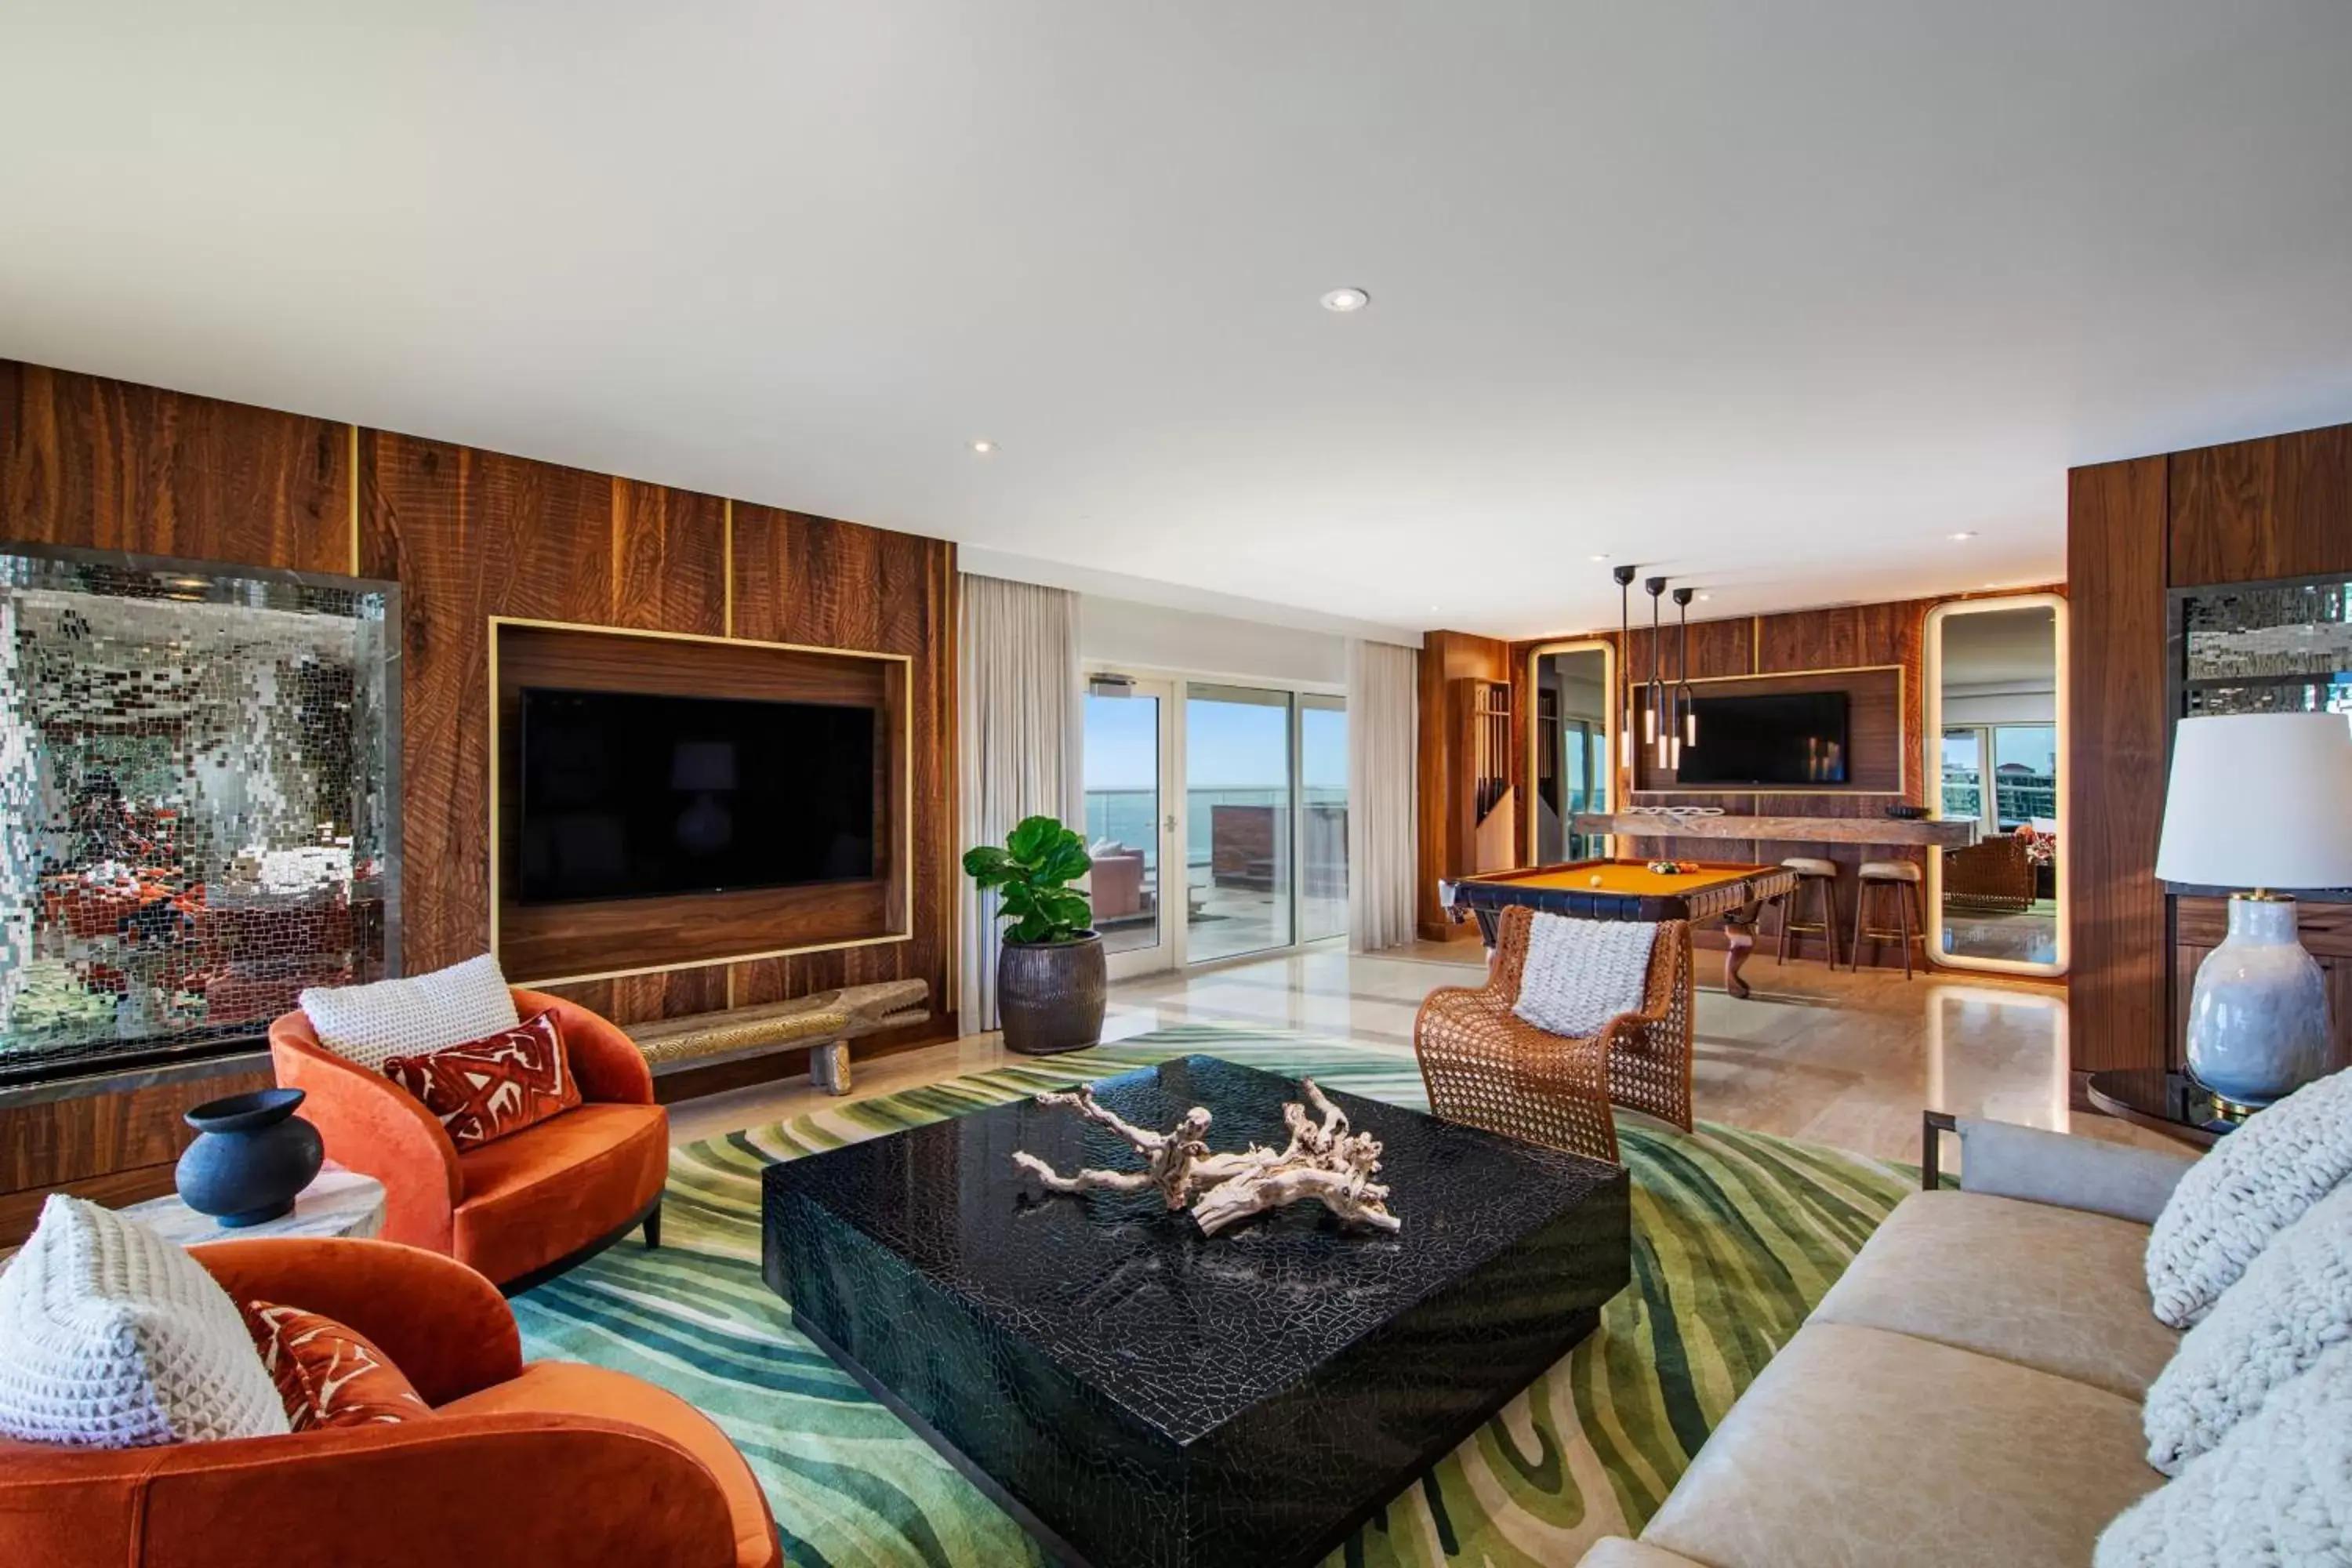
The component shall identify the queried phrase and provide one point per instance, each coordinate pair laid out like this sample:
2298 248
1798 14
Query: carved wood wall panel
111 465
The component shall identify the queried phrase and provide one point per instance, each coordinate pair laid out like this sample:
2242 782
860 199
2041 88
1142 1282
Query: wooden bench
824 1023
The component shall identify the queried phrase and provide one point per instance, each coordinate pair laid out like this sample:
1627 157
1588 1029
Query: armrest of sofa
2004 1159
372 1125
609 1066
447 1329
515 1487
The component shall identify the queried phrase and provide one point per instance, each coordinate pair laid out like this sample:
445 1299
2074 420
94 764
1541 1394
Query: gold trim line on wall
1902 737
906 794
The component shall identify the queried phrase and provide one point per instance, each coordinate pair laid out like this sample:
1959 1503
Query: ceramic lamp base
2258 1026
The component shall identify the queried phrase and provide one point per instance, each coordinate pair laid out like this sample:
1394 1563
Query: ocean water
1130 815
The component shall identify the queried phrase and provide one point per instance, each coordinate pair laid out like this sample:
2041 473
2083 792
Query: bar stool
1902 879
1820 878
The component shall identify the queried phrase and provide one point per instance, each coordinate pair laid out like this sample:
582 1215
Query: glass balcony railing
1129 817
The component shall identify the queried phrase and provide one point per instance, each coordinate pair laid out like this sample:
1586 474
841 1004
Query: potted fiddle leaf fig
1049 971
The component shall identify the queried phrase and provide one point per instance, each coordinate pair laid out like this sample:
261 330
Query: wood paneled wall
2279 506
470 534
1445 768
2114 762
836 584
107 465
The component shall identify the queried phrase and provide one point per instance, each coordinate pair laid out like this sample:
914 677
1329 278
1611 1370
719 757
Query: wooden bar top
1954 834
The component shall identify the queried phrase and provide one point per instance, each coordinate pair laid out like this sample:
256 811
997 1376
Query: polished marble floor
1831 1056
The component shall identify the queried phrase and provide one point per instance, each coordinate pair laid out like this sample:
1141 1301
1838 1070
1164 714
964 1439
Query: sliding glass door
1237 791
1128 767
1322 816
1217 819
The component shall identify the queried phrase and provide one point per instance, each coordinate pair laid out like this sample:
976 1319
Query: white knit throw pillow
1581 973
2248 1187
2293 1303
111 1337
2275 1493
370 1024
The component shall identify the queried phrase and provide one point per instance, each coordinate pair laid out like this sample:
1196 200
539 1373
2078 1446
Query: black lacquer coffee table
1134 1394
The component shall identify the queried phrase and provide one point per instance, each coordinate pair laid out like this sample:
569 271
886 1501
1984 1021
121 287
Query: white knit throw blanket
1581 973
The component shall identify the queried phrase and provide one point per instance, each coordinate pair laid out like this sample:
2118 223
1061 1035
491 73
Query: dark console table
2168 1102
1139 1396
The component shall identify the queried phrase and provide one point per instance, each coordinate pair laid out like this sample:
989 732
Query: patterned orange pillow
488 1088
327 1374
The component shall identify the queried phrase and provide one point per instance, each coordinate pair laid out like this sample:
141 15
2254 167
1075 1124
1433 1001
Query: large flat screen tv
1787 738
629 796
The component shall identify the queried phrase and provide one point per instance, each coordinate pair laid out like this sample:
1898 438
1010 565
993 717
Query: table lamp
2259 802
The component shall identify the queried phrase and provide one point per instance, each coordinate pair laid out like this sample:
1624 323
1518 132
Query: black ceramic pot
1049 994
251 1156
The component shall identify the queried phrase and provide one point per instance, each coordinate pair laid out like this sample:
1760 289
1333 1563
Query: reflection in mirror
1999 749
1570 750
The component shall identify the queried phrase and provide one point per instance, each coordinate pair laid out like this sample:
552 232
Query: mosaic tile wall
2285 649
199 802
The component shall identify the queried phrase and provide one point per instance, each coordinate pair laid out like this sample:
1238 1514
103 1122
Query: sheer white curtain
1383 712
1018 745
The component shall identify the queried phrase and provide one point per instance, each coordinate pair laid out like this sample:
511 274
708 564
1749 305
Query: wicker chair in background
1486 1067
1995 876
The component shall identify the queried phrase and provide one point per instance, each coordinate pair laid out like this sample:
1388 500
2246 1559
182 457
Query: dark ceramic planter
1049 994
251 1156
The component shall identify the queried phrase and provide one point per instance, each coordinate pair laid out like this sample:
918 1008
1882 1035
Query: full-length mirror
1568 756
1996 735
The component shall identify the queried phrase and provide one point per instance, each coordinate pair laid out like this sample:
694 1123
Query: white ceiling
1773 297
2001 648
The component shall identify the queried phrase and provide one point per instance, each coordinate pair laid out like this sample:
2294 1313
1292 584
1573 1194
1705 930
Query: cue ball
1596 878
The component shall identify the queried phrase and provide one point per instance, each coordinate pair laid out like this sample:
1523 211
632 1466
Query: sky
1228 746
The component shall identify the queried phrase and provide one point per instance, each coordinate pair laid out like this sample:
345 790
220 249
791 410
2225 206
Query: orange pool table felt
1632 877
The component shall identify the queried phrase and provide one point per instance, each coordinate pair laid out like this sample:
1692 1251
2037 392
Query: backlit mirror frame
1932 774
1531 731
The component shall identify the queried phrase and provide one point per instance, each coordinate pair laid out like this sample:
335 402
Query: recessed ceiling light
1706 595
1344 301
983 447
1964 536
1603 556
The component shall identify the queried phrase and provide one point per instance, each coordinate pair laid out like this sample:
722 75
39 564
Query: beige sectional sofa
1968 1394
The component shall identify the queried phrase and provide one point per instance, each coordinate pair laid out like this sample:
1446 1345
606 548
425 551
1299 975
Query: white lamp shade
2259 800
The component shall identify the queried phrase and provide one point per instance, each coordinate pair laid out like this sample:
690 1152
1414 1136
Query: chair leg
1860 906
1903 919
1788 917
653 1228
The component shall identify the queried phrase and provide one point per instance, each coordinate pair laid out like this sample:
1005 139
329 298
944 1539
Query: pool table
1732 892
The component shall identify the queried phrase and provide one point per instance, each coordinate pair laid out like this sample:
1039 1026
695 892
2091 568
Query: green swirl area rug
1736 1236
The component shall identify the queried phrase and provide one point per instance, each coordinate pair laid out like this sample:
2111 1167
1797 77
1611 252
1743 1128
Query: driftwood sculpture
1324 1161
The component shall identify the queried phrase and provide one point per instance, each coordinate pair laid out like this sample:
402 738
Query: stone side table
336 1203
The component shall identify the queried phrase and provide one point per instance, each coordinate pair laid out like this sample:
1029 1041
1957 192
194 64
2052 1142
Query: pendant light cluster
1670 713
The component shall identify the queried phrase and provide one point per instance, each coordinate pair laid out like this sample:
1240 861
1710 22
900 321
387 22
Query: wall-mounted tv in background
1787 738
629 796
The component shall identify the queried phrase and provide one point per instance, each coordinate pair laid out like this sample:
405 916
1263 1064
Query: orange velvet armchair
546 1462
517 1208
